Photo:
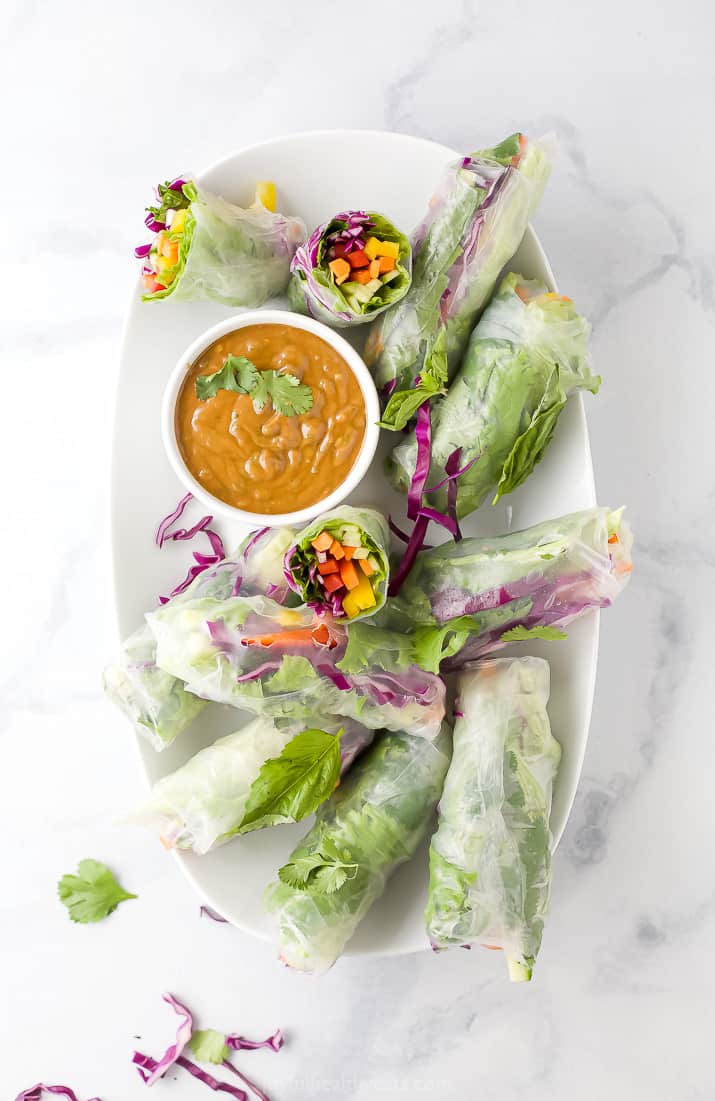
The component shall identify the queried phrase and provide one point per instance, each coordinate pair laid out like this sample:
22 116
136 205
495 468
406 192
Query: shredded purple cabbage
240 1043
142 250
173 1052
423 434
211 913
35 1093
203 561
414 544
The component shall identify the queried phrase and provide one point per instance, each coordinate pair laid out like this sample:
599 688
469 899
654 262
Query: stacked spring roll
351 269
286 664
472 597
202 804
340 563
156 702
490 859
528 352
474 225
206 247
373 822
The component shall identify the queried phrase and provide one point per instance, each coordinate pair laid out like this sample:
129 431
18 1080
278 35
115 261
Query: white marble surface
99 102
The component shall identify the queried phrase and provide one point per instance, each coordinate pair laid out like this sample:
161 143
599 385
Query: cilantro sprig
288 394
92 894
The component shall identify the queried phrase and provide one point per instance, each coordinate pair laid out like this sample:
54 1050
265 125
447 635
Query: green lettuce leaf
293 785
369 646
92 894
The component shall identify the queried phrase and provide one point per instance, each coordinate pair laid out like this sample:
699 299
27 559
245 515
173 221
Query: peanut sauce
264 461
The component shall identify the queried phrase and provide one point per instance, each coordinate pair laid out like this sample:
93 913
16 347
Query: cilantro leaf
515 634
298 871
209 1046
237 374
291 786
92 894
289 395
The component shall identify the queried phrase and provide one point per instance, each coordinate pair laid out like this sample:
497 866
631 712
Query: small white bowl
295 321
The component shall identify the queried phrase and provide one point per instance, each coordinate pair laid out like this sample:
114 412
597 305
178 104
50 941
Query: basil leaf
293 785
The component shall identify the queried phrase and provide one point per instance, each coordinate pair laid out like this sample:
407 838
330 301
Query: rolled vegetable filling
373 822
206 247
288 664
351 268
490 859
203 804
528 353
470 598
474 225
340 563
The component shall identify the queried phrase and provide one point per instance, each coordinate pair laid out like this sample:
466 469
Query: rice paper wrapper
528 353
467 598
371 824
490 859
365 524
201 805
313 288
475 222
237 256
157 703
279 662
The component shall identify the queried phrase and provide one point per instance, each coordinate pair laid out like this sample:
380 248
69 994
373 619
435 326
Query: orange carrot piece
336 549
366 567
613 538
322 542
361 276
522 292
386 263
340 269
349 575
374 269
349 552
331 566
358 259
302 636
333 581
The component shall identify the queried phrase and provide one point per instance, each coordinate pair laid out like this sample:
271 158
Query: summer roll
473 226
156 702
287 663
206 247
490 859
528 352
203 804
469 598
340 563
372 823
351 269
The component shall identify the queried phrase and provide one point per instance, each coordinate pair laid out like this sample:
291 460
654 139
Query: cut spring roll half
470 598
282 773
526 355
472 228
206 247
340 563
490 859
156 702
371 824
288 664
351 269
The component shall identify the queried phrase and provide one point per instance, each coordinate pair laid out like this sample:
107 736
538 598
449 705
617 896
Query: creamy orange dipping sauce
267 462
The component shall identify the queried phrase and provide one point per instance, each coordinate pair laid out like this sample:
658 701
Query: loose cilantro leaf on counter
209 1046
92 894
289 395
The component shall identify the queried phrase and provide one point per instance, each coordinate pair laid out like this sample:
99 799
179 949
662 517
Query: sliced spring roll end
520 971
